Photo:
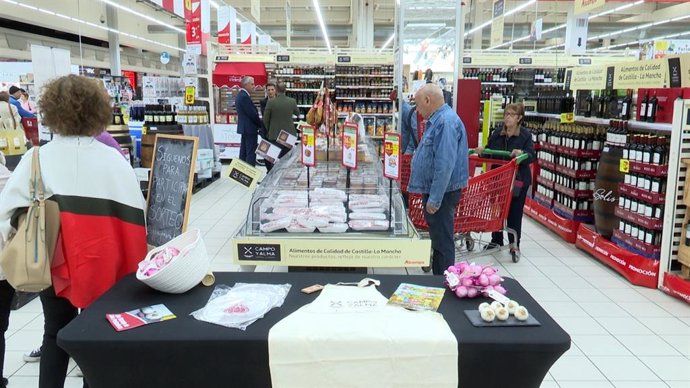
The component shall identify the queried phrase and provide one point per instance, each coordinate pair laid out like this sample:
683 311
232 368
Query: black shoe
4 382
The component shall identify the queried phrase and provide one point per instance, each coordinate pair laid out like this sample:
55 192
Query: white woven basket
185 270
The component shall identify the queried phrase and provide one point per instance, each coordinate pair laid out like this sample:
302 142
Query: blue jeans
441 231
248 149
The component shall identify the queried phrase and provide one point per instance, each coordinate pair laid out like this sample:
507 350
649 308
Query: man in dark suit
278 117
270 94
248 121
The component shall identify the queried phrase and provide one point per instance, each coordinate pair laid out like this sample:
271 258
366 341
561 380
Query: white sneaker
33 356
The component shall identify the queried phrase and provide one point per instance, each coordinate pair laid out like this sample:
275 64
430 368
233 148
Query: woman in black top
513 137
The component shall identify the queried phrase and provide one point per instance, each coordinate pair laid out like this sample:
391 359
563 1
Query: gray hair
246 80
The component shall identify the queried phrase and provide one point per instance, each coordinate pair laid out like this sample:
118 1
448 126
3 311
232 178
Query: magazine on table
415 297
140 317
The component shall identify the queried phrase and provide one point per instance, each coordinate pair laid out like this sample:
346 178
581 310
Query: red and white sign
391 155
676 286
248 33
227 25
349 144
198 23
174 6
309 146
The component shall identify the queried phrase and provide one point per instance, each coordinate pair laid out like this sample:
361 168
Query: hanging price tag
309 146
391 158
567 118
349 158
624 166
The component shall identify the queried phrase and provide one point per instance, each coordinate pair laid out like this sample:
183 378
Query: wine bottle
643 107
626 106
651 109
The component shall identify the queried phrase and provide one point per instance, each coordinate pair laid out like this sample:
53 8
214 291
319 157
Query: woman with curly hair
102 230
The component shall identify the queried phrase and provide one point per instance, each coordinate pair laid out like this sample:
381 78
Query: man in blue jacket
439 171
248 121
15 93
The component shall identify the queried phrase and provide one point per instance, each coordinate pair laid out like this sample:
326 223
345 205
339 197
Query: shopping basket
484 203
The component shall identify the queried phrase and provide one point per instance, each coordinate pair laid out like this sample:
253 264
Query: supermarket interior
273 184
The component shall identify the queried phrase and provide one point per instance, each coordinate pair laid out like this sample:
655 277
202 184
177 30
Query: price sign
567 118
466 59
189 92
309 146
391 158
349 144
525 61
344 59
268 151
282 58
244 174
584 61
624 166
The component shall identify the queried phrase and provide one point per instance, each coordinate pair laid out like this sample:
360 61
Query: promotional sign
642 74
189 95
582 6
309 146
391 156
668 47
576 34
497 23
685 70
198 24
349 144
227 25
536 30
244 174
588 78
333 252
268 151
170 187
248 33
286 139
675 75
175 6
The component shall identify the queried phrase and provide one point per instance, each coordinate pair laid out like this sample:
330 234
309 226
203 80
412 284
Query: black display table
185 352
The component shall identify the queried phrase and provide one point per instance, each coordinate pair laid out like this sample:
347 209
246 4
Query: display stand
563 227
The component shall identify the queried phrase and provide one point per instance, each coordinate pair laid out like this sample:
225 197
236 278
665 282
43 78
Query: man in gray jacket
278 116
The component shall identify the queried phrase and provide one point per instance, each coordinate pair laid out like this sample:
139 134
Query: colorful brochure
414 297
140 317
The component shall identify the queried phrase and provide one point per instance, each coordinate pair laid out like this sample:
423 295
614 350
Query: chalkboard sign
170 187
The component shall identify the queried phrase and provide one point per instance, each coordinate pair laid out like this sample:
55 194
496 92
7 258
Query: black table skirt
185 352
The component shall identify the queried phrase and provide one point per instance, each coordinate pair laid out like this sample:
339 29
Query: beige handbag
27 256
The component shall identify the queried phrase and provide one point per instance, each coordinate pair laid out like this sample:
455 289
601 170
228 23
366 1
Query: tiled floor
623 336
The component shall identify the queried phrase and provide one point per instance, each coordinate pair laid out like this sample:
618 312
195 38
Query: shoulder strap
408 121
36 188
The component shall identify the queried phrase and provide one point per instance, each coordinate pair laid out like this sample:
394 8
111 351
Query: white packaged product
367 216
362 225
334 228
375 209
322 193
276 225
296 227
313 220
241 305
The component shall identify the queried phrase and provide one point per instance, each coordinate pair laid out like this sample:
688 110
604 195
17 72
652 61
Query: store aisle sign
349 144
242 173
170 187
309 146
582 6
391 155
192 16
588 78
642 74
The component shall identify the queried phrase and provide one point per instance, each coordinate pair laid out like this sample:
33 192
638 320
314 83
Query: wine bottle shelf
660 127
641 194
574 152
547 165
577 174
577 194
306 76
543 200
575 215
635 245
548 183
644 221
649 169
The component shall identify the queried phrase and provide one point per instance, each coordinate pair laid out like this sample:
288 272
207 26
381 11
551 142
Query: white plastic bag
241 305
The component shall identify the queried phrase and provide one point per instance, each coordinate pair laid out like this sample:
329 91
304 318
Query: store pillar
364 27
113 40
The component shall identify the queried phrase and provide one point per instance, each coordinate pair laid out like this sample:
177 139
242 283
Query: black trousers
283 150
58 312
6 296
248 149
517 206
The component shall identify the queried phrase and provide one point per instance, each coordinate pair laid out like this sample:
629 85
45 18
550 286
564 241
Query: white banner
48 63
227 25
248 33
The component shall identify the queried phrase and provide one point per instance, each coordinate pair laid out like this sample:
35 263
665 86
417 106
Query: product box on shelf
665 98
637 269
634 245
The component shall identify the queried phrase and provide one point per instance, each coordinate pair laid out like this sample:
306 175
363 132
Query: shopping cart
483 206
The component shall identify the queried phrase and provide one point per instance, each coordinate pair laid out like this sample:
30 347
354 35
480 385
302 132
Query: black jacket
523 141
